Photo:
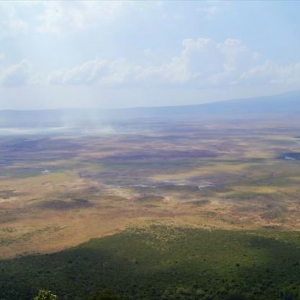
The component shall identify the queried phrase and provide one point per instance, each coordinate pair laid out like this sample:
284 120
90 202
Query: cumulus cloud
201 62
273 73
95 71
15 75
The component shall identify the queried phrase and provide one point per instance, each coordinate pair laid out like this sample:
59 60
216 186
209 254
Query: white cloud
201 63
56 17
15 75
65 16
174 72
95 71
273 73
11 23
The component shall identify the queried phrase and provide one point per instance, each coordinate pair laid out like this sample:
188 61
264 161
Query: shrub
45 295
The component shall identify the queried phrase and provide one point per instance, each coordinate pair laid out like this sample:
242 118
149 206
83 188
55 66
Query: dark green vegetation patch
164 263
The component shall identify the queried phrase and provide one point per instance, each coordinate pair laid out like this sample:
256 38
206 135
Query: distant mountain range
288 103
281 103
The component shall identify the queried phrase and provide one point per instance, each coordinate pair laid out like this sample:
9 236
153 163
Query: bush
45 295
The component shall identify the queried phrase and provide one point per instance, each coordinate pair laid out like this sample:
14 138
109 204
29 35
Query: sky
114 54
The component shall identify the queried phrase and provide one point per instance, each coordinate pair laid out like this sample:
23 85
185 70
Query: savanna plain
187 208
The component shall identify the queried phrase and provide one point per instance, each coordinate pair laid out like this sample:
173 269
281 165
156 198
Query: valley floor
174 208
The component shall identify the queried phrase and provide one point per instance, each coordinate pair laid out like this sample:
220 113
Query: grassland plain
225 191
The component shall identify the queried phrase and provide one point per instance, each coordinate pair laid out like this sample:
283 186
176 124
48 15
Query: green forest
162 262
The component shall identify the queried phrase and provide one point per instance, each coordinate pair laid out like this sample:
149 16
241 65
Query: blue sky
110 54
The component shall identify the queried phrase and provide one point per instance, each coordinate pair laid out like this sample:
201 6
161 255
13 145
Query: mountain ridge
286 103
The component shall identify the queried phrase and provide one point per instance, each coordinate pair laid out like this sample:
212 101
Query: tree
45 295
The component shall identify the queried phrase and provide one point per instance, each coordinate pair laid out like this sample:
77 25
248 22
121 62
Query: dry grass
102 186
